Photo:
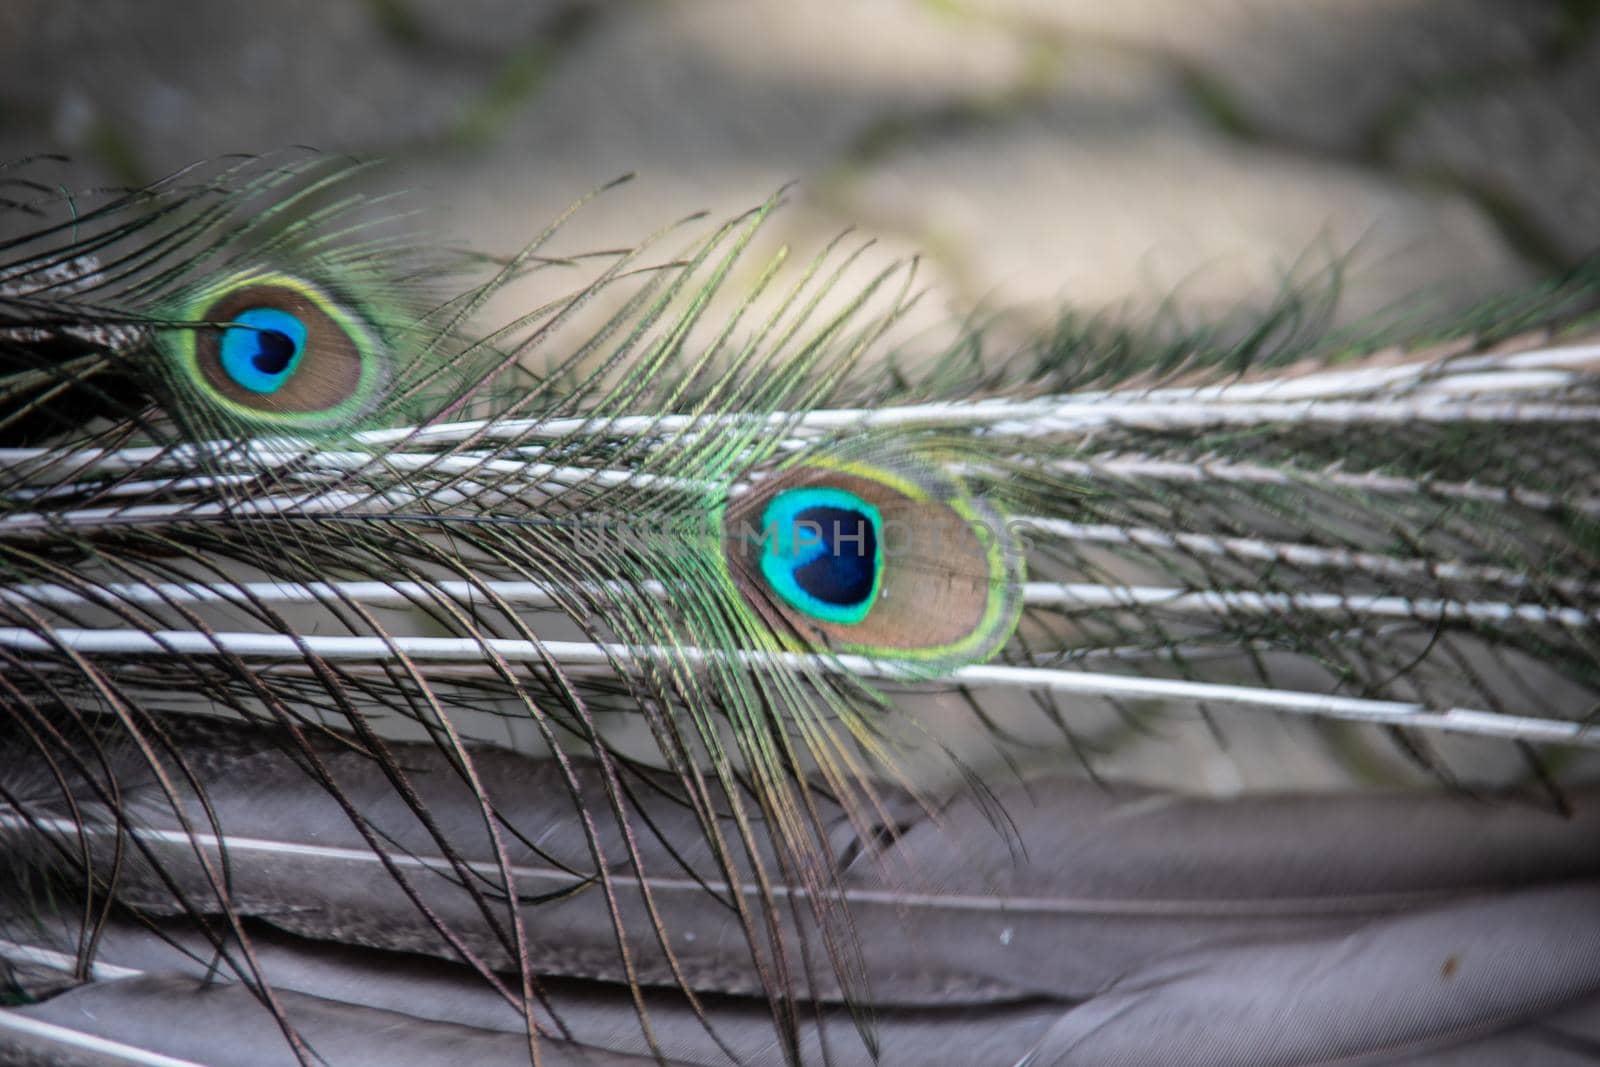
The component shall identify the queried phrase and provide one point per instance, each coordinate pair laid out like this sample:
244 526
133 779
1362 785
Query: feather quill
256 465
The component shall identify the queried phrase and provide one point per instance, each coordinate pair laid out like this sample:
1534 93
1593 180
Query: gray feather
226 1026
1153 910
1413 988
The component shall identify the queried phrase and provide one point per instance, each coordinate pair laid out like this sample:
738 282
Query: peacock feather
382 686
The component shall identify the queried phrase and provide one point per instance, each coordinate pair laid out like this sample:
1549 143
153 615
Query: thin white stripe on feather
1230 602
1304 390
554 479
99 1046
1208 471
614 656
527 876
1297 554
1424 392
376 594
58 961
1036 594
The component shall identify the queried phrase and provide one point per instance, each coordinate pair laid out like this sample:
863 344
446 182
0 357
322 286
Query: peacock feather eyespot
275 351
891 558
823 552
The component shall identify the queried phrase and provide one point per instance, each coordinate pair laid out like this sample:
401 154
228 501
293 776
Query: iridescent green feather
160 272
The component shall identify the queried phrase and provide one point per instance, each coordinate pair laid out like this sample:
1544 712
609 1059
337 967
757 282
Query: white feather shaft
1228 602
1214 471
378 594
1418 392
1304 390
1037 594
1297 554
1033 418
1077 417
232 466
116 1051
263 507
46 957
620 656
529 877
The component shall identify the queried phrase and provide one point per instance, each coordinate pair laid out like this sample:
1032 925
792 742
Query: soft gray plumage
1140 926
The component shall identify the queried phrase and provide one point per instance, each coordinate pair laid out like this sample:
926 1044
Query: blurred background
1039 154
1106 155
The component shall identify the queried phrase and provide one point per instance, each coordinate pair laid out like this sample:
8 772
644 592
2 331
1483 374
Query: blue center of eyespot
261 348
822 552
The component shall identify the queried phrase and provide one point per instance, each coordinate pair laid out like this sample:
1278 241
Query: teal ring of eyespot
822 552
261 348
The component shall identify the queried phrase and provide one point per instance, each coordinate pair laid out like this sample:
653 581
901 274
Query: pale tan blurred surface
1037 151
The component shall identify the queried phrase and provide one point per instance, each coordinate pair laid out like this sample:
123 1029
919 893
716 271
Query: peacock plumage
679 671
